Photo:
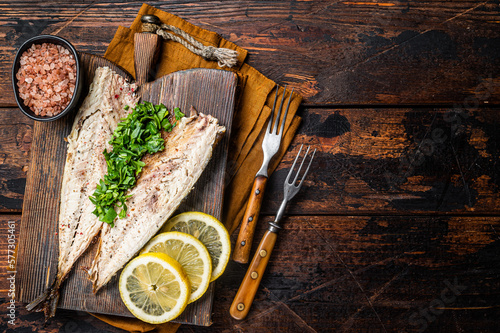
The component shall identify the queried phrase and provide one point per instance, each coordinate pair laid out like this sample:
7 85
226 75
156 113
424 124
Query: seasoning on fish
92 130
166 179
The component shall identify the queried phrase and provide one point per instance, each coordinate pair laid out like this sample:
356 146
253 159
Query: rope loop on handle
224 57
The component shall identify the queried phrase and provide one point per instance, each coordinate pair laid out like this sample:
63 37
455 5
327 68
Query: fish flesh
164 182
92 130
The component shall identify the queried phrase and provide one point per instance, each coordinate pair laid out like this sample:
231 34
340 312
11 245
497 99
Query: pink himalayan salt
46 78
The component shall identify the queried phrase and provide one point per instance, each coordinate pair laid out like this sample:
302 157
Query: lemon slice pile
190 253
210 231
176 267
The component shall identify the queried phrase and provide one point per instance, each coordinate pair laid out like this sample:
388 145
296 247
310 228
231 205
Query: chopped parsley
136 135
178 113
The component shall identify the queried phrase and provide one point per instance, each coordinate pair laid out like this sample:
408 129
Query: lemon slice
154 288
210 231
190 253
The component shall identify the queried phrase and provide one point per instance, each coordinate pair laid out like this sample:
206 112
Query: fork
270 146
248 288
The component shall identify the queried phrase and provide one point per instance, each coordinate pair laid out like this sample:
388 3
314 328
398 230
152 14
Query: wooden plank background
401 98
345 52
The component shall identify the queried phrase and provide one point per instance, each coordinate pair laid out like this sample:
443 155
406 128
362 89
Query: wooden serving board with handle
210 91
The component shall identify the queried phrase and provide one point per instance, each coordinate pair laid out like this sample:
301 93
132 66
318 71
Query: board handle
146 50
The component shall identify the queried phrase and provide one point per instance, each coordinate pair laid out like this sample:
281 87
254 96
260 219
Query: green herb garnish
136 135
178 114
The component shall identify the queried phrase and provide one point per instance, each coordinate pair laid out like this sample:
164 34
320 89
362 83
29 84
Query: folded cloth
256 97
135 325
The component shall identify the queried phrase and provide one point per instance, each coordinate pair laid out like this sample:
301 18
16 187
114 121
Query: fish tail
38 302
50 310
46 302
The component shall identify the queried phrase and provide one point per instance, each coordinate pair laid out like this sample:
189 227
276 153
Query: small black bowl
79 76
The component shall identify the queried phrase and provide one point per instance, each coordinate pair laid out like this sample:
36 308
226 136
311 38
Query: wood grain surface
210 92
371 161
343 53
396 228
17 133
397 161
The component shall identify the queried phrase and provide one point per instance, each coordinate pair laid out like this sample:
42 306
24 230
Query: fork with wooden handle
270 146
248 288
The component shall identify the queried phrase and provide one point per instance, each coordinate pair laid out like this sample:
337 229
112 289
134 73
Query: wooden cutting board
209 91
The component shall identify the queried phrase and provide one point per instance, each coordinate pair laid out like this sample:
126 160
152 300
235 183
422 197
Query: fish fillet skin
164 182
85 165
92 129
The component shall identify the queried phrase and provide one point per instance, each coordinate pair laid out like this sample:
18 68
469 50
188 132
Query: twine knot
208 52
224 57
150 27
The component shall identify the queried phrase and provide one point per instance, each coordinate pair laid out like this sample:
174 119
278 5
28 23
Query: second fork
248 288
270 146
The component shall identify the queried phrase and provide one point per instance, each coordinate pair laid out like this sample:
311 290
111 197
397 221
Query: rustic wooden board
349 268
331 52
210 92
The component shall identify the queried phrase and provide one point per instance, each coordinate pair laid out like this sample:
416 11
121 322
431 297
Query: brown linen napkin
135 325
253 108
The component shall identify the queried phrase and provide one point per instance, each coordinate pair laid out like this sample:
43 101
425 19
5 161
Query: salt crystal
46 78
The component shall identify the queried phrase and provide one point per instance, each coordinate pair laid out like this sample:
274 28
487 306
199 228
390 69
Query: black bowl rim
73 100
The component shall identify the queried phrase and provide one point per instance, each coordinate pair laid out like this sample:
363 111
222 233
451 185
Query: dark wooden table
397 227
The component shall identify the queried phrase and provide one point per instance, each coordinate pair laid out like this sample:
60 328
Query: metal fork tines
272 139
290 189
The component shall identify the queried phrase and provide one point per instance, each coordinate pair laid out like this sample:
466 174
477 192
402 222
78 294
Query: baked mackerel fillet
164 182
85 164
